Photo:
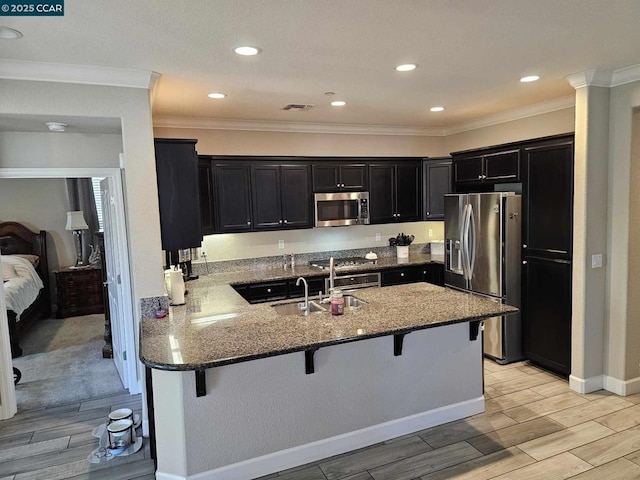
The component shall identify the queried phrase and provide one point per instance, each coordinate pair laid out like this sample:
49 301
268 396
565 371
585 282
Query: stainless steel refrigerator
482 256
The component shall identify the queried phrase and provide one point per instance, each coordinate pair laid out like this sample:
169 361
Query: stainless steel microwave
342 208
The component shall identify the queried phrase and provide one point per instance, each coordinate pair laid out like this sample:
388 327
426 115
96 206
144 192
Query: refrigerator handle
472 242
465 242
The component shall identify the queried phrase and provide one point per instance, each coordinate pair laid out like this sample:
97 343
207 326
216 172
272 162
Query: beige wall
230 142
40 204
552 123
53 150
623 306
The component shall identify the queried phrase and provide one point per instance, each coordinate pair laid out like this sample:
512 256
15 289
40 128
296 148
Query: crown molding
346 129
604 78
626 75
82 74
515 114
292 127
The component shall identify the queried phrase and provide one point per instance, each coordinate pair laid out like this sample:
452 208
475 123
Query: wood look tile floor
534 427
53 444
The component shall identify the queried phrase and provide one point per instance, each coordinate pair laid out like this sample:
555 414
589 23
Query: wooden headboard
16 238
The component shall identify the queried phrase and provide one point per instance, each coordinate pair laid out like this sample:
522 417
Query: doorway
123 321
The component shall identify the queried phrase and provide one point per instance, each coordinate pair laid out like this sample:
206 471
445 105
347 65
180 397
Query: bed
21 247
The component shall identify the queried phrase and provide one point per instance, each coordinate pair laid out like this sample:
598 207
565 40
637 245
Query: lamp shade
75 221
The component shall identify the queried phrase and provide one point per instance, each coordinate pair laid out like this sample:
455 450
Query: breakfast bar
408 357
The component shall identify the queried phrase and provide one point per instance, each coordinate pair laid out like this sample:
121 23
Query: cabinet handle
524 262
428 213
398 214
402 274
338 185
286 221
479 177
524 245
268 290
248 223
280 222
342 185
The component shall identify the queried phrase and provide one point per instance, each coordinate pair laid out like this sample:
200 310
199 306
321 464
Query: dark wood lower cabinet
547 312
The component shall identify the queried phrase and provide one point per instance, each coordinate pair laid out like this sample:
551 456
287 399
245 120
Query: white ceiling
471 53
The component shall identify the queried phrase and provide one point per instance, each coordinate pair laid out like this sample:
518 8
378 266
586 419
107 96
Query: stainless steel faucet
332 274
306 294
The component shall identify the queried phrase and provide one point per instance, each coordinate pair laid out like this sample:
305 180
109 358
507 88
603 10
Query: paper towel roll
177 287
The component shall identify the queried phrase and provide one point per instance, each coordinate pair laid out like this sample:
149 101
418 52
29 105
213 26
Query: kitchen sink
297 308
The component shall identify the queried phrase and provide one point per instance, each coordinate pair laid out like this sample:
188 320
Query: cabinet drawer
266 291
399 276
316 285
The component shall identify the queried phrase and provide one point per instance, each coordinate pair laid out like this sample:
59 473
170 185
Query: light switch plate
377 237
596 260
280 244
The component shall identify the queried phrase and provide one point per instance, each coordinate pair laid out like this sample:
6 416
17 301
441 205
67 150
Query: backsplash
263 263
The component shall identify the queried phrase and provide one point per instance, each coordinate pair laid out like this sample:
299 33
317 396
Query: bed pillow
8 272
33 259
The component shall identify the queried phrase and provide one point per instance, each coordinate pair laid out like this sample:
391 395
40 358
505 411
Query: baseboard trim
310 452
586 385
622 387
599 382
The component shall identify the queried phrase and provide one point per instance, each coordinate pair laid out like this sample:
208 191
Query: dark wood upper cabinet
233 197
296 196
339 177
437 183
178 193
548 199
207 212
394 192
487 167
281 197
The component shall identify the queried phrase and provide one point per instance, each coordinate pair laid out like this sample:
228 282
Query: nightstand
79 291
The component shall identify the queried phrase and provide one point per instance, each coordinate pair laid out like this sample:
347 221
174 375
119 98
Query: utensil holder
402 251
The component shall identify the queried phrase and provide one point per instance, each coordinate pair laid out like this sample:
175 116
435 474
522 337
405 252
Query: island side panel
269 405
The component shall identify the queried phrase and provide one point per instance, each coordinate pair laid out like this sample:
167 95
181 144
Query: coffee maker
182 257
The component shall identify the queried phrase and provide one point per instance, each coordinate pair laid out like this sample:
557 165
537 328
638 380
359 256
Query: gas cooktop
341 262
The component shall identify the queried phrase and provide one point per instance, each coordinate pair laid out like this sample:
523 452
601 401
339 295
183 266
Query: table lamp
75 222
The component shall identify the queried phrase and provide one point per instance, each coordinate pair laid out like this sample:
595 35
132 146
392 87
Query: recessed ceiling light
338 103
436 109
217 95
57 126
247 51
530 78
9 33
407 67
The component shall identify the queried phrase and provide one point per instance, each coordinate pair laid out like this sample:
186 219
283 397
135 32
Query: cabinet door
437 183
547 312
296 197
407 189
233 199
205 179
548 200
326 178
353 178
433 273
382 193
178 193
502 166
265 196
468 170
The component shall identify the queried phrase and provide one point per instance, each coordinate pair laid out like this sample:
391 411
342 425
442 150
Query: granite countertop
218 327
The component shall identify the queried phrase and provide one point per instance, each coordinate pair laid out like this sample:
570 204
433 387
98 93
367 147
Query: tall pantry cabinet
547 252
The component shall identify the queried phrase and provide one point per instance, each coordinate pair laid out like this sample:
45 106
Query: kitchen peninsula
407 359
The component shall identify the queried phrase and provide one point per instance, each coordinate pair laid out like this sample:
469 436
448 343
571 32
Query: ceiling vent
299 106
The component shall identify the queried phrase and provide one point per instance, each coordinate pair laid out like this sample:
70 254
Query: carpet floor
62 364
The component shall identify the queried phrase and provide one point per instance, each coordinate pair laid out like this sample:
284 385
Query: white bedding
23 283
